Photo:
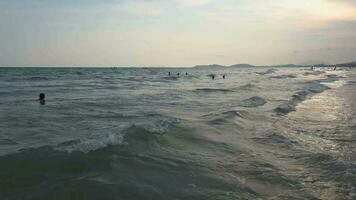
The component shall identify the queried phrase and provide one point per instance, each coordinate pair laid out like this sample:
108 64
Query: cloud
344 1
175 32
322 10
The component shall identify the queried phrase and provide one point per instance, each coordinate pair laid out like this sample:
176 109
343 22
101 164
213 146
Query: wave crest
157 124
285 76
213 90
92 144
300 96
269 71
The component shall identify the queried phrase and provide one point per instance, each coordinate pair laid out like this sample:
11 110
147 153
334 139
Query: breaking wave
226 117
92 144
159 124
300 96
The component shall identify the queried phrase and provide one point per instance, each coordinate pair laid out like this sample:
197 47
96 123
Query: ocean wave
6 141
269 71
300 96
285 76
37 78
158 123
331 78
337 169
275 139
252 102
233 113
170 78
285 108
138 131
78 73
213 90
314 73
247 87
334 76
92 144
5 93
224 117
318 88
290 106
227 114
27 78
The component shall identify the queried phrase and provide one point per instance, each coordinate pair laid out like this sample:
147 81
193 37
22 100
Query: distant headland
216 66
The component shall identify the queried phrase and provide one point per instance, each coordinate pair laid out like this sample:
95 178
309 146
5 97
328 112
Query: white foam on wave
91 144
156 124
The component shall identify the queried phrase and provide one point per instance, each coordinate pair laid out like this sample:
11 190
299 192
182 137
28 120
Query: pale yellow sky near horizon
176 32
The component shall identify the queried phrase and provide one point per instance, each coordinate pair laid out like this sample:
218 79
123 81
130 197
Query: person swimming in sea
186 73
41 98
169 73
213 76
178 74
224 76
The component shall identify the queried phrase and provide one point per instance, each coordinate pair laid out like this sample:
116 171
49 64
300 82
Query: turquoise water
137 133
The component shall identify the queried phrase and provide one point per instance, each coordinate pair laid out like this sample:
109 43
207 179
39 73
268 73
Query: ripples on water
283 133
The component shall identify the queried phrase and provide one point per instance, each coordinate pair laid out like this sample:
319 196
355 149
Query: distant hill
349 64
286 65
216 66
242 65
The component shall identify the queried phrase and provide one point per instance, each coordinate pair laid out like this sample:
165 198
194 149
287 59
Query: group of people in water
42 96
312 68
211 75
169 74
332 67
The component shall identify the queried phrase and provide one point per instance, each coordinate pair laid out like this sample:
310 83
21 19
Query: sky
179 33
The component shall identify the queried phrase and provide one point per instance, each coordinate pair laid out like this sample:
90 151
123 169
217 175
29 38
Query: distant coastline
207 66
215 66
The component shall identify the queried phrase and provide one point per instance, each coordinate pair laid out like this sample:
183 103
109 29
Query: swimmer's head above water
42 98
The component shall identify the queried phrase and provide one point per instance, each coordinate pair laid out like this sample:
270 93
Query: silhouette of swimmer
213 76
42 99
177 74
224 76
186 73
169 73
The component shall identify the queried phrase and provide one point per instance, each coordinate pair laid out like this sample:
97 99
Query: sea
140 134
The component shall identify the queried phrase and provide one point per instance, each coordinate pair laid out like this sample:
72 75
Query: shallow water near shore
137 133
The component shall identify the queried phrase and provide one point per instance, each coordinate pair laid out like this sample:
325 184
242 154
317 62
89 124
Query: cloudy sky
175 32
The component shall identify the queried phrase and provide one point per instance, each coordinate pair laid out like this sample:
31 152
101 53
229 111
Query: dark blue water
137 133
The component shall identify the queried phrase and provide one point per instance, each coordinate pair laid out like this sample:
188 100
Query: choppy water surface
283 133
